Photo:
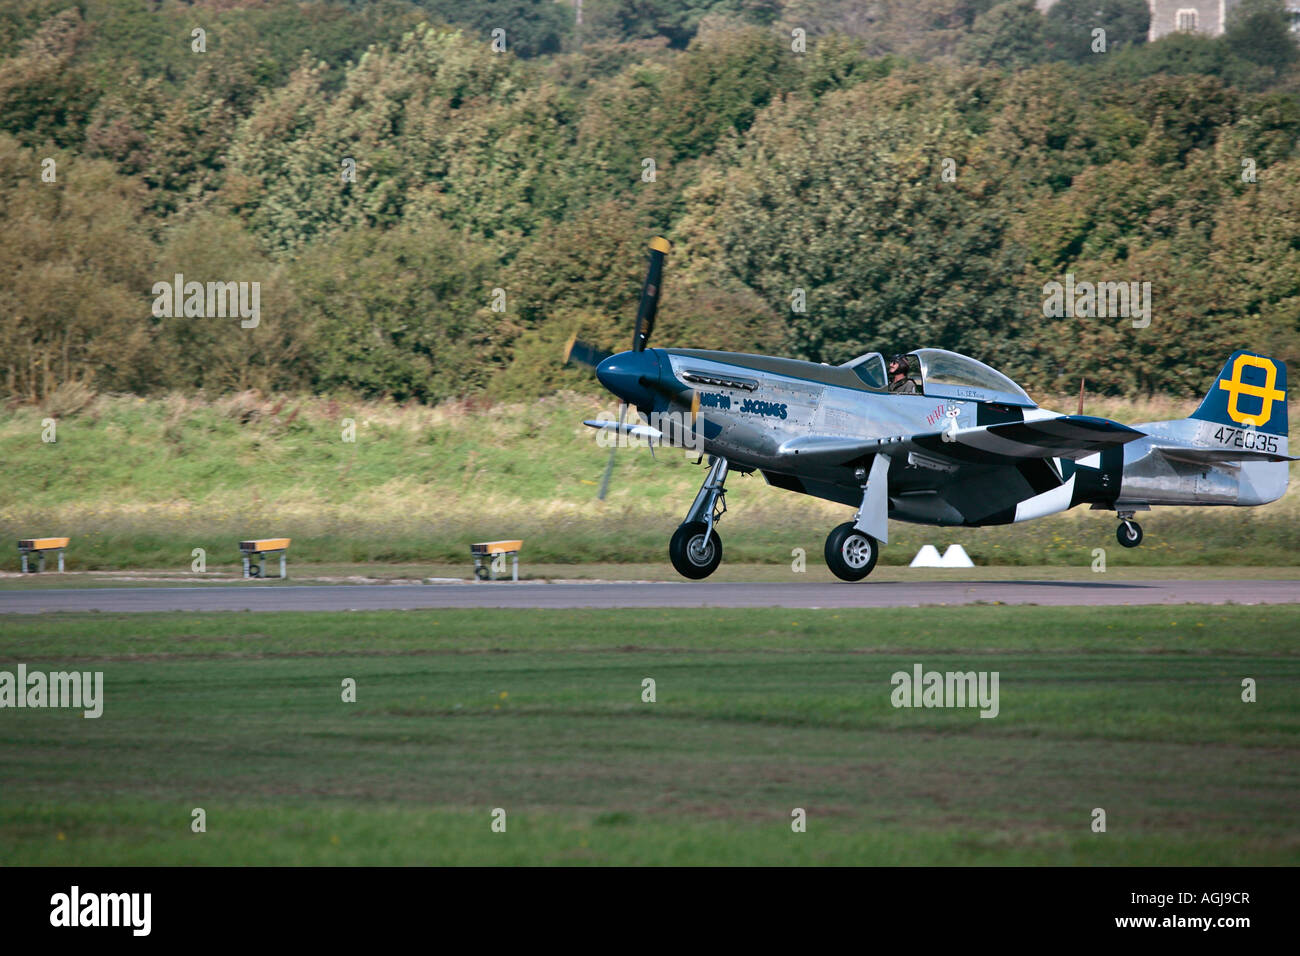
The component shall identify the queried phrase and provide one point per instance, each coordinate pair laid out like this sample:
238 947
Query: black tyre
1129 534
480 572
850 553
695 551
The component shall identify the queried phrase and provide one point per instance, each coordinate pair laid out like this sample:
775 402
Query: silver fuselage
750 405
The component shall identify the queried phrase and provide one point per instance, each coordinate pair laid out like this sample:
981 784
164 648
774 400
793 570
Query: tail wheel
695 551
850 553
1129 534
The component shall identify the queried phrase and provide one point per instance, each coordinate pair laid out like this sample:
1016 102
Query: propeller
583 353
1081 381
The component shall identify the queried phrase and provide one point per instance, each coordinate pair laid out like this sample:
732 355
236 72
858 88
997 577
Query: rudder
1250 392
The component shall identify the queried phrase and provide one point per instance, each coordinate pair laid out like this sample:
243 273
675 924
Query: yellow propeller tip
660 244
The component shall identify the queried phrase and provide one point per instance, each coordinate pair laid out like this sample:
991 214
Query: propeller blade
1081 381
609 463
583 353
604 479
645 313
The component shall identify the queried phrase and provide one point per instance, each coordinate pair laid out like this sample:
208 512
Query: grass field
141 483
1136 710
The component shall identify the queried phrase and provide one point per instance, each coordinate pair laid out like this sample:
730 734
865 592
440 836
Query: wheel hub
857 552
700 550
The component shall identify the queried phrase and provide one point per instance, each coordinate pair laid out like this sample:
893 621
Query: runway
683 594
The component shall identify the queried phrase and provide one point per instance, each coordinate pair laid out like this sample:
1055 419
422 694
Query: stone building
1191 16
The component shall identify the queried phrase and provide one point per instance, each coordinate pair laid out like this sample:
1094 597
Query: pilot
899 366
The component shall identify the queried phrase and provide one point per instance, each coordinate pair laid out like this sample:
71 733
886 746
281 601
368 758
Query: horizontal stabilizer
1214 456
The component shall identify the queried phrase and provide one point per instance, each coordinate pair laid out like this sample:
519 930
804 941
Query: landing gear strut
695 548
1129 531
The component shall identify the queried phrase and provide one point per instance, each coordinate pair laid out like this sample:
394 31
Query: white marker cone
927 557
956 557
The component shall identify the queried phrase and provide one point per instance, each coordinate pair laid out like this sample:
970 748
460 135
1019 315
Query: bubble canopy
947 374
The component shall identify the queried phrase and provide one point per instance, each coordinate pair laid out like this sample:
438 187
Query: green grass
1136 710
141 483
143 834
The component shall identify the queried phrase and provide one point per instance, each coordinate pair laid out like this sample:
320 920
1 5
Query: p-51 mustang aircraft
963 445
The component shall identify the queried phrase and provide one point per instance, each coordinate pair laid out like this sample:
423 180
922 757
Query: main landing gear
695 548
1129 531
851 554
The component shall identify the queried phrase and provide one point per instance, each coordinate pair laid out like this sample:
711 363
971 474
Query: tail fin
1250 392
1237 437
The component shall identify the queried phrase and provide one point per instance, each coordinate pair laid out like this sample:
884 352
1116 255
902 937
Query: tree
918 30
677 20
1010 35
218 353
404 312
395 118
850 204
1186 114
1260 31
1071 24
74 283
533 27
46 89
1186 54
720 84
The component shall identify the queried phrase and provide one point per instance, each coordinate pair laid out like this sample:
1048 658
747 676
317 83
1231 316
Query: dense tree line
427 217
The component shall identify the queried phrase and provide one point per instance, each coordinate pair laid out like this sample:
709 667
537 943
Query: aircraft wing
1006 443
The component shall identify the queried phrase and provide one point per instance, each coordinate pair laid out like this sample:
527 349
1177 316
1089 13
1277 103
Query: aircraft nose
631 376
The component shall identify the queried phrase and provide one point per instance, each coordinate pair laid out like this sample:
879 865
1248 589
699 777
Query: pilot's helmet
903 364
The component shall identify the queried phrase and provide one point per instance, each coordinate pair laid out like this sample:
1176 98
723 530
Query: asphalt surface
263 597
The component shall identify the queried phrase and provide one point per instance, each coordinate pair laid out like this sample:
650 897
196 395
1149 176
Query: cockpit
870 368
945 374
